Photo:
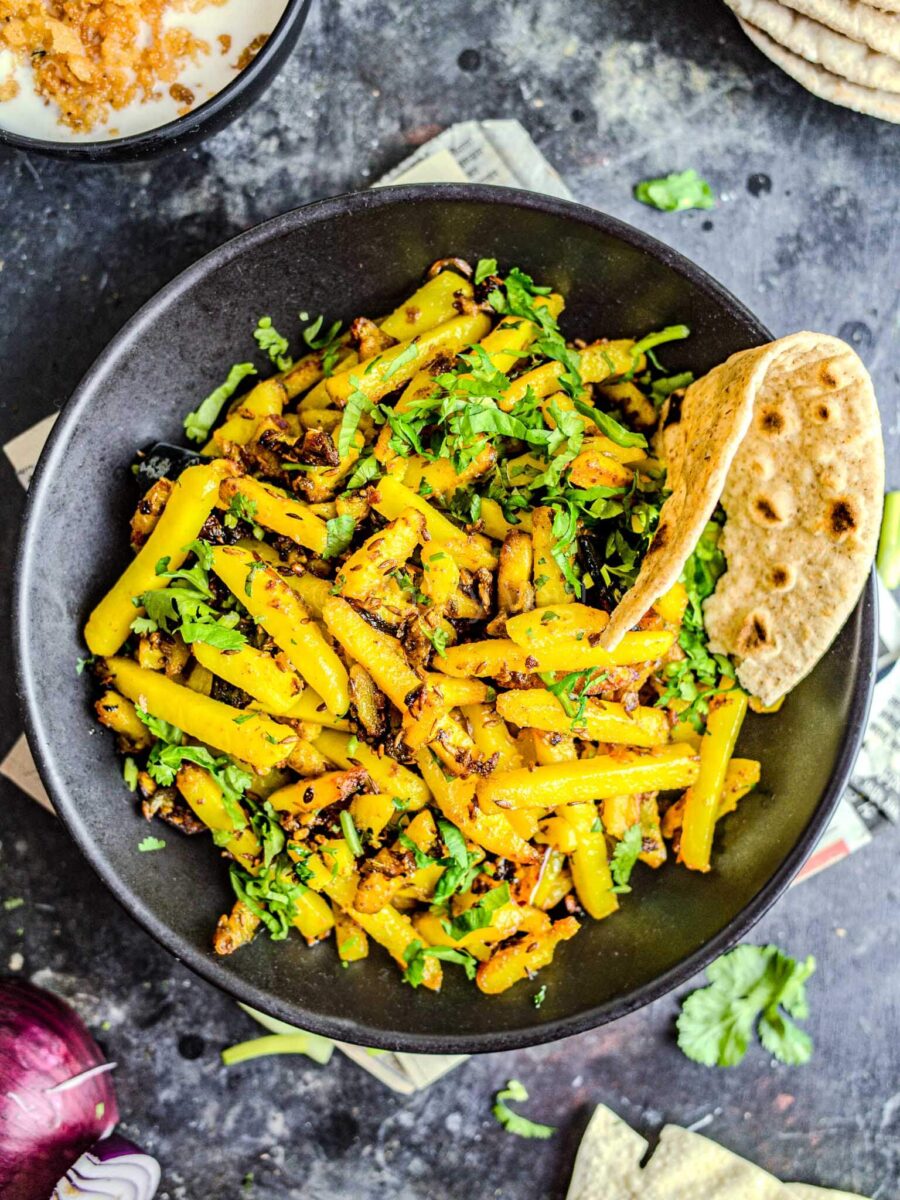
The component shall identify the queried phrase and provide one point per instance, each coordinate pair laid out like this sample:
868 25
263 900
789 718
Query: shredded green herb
513 1122
198 423
676 192
271 343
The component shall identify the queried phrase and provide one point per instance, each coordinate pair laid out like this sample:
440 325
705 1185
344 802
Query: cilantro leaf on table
513 1122
676 192
625 854
752 988
198 423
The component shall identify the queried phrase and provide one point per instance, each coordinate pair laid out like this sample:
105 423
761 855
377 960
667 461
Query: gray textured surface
612 93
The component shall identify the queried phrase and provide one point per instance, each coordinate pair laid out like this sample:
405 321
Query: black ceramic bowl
203 121
355 254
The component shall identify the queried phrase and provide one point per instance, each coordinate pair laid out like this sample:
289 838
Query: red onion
56 1093
114 1169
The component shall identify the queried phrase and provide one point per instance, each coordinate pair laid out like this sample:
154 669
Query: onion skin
43 1043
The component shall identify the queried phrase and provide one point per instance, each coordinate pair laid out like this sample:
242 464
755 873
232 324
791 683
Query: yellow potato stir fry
358 640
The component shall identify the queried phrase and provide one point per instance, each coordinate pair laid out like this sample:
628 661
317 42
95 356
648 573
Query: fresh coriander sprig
751 988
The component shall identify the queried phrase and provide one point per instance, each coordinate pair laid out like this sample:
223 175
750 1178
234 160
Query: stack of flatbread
846 51
685 1166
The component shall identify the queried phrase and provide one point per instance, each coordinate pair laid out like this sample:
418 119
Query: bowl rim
151 140
42 745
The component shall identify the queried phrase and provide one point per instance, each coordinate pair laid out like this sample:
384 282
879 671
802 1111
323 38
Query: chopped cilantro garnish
351 834
571 696
271 895
329 342
252 571
240 509
694 678
416 954
185 608
151 843
439 639
358 404
624 856
460 867
130 773
421 858
484 268
338 535
479 916
539 996
168 754
271 342
198 423
365 471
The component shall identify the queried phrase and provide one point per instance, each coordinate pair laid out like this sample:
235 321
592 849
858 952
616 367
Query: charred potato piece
149 510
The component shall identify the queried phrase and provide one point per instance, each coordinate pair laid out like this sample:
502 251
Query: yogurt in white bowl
233 31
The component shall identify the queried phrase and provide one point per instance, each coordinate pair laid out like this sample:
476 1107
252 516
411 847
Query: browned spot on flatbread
842 519
755 635
771 421
660 538
828 376
765 511
783 577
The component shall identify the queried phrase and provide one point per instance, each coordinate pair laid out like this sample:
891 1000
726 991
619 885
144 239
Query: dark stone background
806 234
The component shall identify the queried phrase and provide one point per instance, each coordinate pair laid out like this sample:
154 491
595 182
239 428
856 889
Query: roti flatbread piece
855 20
803 501
873 102
715 415
819 44
788 436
